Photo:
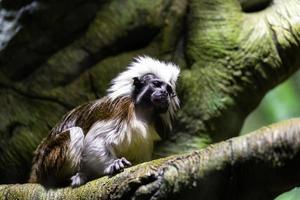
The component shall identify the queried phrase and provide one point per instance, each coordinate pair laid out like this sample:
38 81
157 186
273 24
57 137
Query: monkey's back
50 160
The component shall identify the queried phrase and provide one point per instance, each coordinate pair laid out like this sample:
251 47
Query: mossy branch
259 165
235 57
236 52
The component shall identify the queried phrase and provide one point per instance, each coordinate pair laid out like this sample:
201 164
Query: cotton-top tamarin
105 136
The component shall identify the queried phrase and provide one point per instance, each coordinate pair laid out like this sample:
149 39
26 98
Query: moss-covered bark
235 57
227 170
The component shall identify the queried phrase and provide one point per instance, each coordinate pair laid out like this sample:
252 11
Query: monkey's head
149 82
152 92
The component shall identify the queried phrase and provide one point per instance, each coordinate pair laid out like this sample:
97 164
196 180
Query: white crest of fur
122 85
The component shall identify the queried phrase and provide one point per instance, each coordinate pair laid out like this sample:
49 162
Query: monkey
104 136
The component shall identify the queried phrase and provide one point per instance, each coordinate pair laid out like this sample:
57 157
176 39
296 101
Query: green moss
22 128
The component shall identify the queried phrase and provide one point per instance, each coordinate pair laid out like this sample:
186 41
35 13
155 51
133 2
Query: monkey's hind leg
58 158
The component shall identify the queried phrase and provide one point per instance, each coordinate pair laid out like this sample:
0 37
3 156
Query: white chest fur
136 143
108 140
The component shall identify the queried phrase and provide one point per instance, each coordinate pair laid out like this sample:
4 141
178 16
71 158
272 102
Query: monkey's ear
137 82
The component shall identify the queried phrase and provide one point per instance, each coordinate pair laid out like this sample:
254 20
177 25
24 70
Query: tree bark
259 165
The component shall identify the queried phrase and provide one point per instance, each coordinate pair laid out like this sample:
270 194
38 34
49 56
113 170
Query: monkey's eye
169 89
157 83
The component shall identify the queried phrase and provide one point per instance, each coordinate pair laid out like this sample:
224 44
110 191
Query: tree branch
235 58
259 165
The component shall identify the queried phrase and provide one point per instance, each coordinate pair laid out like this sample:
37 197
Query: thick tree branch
259 165
236 53
235 58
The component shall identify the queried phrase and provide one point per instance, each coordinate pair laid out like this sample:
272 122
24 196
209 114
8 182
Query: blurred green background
283 102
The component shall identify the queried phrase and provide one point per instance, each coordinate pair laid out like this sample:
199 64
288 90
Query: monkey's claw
118 166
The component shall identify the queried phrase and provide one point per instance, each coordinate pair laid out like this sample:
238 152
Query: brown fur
86 115
51 157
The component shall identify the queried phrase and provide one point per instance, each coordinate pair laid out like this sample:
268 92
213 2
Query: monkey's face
152 91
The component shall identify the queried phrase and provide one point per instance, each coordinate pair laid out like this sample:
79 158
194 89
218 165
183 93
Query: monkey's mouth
160 102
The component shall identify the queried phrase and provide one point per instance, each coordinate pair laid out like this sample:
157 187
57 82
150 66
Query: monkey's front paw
78 180
117 166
